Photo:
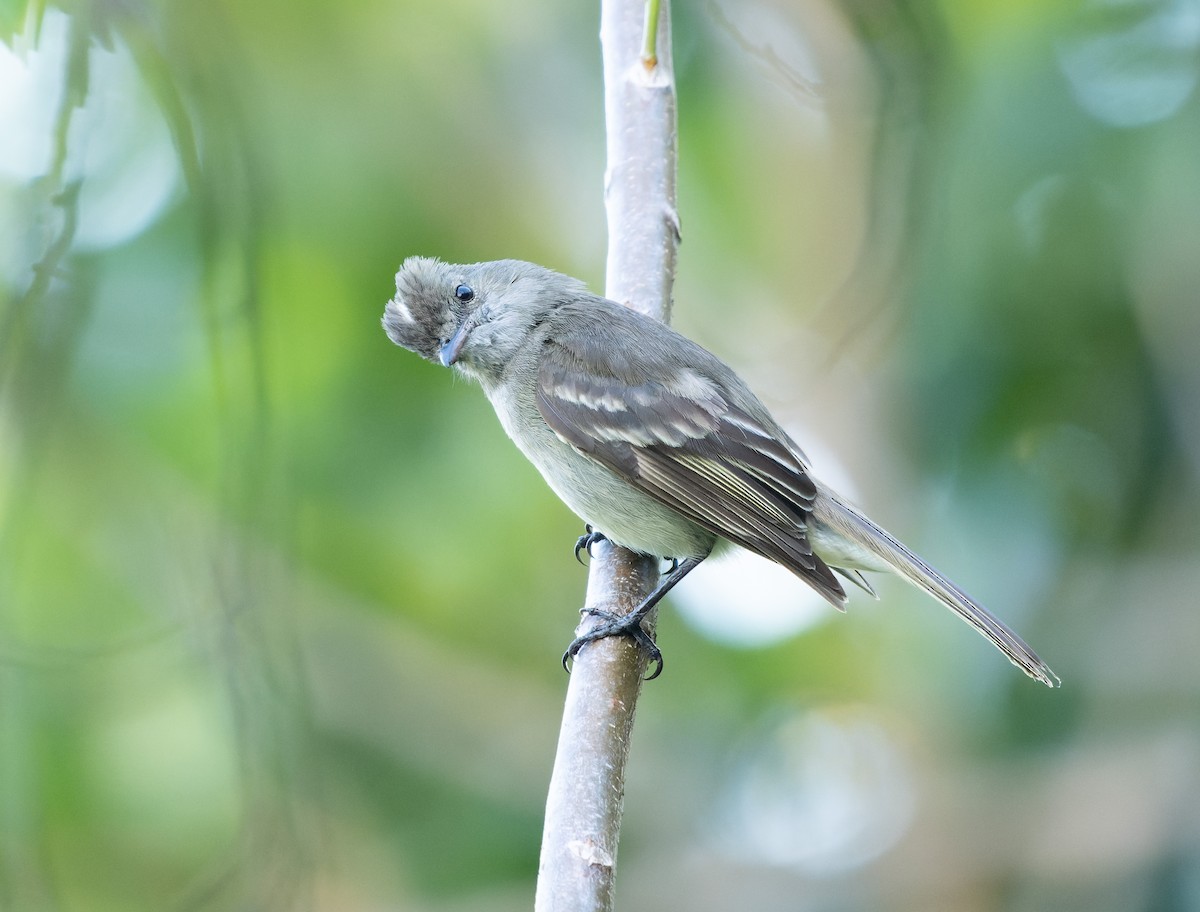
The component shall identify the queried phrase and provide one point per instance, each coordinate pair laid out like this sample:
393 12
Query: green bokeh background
281 608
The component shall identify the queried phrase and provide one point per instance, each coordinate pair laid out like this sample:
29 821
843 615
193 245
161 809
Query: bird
652 440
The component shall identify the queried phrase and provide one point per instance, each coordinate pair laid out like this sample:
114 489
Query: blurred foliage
280 607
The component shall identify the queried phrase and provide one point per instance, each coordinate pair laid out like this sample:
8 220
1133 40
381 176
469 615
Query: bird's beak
449 352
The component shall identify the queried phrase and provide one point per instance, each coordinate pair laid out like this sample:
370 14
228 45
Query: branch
639 185
583 808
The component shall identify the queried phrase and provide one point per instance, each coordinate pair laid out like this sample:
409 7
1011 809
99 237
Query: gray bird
654 442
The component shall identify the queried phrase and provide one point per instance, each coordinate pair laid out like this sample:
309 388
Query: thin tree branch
639 184
587 786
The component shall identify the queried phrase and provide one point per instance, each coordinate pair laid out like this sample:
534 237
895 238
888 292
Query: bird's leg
584 542
630 625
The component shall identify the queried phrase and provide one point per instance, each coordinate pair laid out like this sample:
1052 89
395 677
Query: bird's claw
616 625
585 541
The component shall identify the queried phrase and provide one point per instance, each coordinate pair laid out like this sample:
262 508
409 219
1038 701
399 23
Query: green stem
650 36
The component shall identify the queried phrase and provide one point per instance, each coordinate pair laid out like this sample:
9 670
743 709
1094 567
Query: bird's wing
675 432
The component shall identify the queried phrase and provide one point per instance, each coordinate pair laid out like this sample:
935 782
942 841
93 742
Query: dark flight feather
677 437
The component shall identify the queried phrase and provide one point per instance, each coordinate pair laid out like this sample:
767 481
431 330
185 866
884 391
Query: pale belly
623 514
597 495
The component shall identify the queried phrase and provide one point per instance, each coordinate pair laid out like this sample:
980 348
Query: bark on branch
583 809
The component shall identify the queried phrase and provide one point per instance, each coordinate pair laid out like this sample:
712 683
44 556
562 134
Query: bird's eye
464 293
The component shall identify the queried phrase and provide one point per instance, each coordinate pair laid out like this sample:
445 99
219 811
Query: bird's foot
584 542
629 625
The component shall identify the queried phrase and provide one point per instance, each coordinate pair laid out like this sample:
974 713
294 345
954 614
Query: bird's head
475 316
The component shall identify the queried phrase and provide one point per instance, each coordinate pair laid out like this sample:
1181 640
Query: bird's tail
847 523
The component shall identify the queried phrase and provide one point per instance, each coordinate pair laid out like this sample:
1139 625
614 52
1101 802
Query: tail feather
846 523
